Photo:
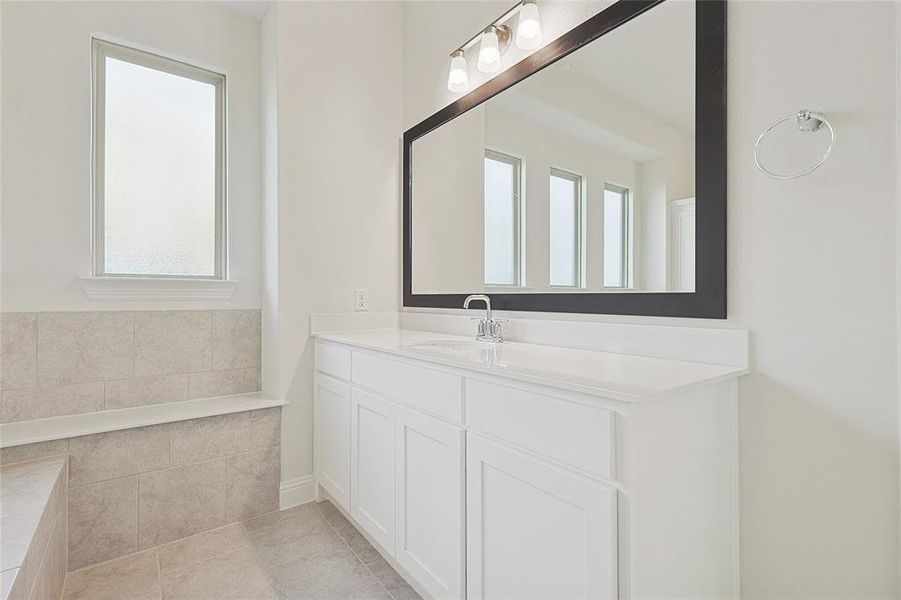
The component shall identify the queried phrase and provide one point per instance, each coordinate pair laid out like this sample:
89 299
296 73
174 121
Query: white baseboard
295 492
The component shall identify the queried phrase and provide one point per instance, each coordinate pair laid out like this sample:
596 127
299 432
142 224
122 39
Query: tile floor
303 553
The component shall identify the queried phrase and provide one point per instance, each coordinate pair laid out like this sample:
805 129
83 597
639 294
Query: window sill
138 289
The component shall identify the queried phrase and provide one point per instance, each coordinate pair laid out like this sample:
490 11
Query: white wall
819 414
448 185
819 423
46 115
332 221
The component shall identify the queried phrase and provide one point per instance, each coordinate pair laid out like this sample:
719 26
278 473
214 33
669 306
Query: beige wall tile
203 546
266 427
103 521
52 573
172 341
30 494
118 453
234 575
210 437
142 391
75 347
52 401
15 454
18 350
253 481
181 501
224 383
134 577
236 339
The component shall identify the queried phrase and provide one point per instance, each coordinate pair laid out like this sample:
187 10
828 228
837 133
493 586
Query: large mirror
568 183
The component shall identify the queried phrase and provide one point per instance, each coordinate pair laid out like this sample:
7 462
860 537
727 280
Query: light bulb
489 52
528 31
458 77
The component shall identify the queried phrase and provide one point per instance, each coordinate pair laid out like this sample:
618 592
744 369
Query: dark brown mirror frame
709 298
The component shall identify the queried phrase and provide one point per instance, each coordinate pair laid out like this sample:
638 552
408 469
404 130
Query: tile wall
138 488
63 363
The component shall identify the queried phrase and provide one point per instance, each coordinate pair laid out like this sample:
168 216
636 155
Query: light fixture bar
501 20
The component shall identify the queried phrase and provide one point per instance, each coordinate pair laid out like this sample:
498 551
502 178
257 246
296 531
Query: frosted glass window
159 148
616 239
502 217
565 228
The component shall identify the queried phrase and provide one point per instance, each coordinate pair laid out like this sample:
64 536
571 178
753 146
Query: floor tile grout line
256 556
357 556
158 546
159 574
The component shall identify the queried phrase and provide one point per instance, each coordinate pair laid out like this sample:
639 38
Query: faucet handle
496 330
483 326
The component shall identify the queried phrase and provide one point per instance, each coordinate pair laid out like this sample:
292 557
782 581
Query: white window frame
101 49
578 234
626 250
516 163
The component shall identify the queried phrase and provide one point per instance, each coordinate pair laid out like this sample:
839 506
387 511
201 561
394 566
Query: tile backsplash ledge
63 363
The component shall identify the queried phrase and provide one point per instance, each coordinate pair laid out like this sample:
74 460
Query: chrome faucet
489 328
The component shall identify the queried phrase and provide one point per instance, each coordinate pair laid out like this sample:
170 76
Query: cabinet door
534 530
372 466
331 437
430 502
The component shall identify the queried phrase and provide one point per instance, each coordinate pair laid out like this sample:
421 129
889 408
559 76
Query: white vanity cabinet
535 530
331 437
483 483
430 502
372 450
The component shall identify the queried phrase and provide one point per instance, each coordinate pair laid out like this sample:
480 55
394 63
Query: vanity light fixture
528 30
490 48
458 77
493 42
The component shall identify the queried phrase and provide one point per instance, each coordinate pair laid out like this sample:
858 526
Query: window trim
578 236
517 164
625 250
101 49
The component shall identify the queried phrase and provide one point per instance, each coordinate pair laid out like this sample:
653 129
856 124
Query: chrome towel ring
808 122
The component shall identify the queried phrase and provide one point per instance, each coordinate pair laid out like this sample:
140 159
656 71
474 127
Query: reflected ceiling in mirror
578 179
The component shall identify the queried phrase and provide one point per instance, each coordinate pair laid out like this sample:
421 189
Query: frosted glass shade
458 77
489 53
528 30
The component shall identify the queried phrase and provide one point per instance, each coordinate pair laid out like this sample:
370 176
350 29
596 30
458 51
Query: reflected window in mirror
565 224
617 237
503 210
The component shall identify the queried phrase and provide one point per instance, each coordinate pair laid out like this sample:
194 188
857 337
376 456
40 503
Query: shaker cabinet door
534 530
331 437
430 502
372 466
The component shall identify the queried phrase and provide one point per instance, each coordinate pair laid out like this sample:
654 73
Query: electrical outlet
361 299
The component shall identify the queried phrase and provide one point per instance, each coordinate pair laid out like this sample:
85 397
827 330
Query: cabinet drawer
333 360
578 435
434 391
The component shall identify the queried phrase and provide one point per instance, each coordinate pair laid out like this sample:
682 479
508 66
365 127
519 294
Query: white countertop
623 377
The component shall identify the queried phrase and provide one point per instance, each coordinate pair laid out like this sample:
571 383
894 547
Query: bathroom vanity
524 471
